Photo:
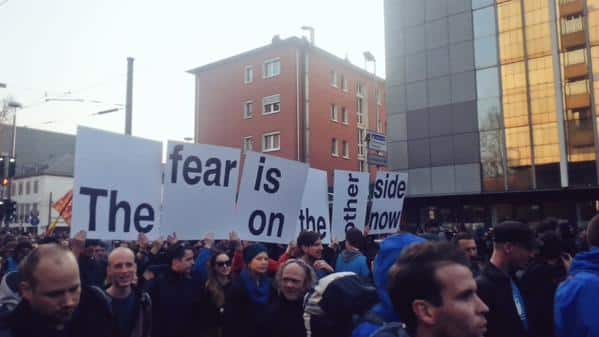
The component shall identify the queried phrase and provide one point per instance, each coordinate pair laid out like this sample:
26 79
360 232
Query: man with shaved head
132 309
54 302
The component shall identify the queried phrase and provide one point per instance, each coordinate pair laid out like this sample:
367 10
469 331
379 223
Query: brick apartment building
291 99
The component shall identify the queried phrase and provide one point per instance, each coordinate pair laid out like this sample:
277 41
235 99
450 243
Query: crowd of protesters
514 280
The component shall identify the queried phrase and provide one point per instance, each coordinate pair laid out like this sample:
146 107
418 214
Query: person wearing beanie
391 249
351 258
250 295
498 287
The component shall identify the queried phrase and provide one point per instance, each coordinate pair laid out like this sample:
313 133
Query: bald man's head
121 267
50 282
49 255
120 252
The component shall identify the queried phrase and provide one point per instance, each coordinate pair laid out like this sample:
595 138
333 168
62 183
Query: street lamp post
14 105
368 57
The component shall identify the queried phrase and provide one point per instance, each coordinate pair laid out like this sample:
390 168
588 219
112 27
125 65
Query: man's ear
425 312
26 290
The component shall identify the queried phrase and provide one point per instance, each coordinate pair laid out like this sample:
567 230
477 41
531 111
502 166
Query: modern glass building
493 108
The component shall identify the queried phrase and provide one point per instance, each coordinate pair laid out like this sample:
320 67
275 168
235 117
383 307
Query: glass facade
497 96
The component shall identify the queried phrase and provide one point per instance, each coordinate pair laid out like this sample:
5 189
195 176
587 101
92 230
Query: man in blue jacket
576 299
383 312
351 258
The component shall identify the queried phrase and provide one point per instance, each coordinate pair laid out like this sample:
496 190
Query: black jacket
175 299
286 318
539 284
242 316
212 316
495 289
91 319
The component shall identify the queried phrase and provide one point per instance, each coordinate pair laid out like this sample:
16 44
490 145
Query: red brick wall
323 129
222 94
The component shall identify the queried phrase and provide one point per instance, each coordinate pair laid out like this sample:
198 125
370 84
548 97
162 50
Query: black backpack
332 306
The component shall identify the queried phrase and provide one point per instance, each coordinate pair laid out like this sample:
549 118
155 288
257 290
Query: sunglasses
223 264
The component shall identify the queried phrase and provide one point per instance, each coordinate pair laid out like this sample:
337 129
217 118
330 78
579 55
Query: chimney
276 38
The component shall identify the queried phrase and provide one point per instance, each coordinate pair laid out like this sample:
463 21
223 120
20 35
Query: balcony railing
575 57
572 25
577 88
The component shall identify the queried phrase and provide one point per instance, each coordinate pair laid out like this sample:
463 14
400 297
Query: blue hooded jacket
391 249
576 299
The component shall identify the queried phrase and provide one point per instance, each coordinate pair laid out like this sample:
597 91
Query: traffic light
12 163
10 210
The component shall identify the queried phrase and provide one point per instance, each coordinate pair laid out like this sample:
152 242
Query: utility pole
129 104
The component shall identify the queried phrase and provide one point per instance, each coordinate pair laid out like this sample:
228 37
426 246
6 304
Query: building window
361 138
248 109
343 83
271 104
271 142
333 78
360 89
248 143
379 96
334 113
334 148
344 115
20 188
13 191
248 74
379 121
27 187
360 110
345 149
35 186
20 212
272 68
572 24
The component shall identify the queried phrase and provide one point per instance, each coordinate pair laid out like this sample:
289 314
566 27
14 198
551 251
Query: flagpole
51 228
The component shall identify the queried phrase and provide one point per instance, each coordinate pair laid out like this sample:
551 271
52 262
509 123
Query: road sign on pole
377 141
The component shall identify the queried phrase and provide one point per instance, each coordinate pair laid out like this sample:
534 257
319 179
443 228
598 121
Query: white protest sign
349 202
314 214
200 184
270 197
117 186
387 202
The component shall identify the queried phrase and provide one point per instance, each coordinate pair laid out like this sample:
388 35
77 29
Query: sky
76 50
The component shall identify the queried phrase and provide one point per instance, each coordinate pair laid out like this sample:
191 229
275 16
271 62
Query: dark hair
413 277
355 238
30 263
176 252
547 225
462 236
213 286
593 231
307 238
47 240
550 245
21 250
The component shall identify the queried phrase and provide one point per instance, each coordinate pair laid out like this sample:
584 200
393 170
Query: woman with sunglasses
214 295
251 292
